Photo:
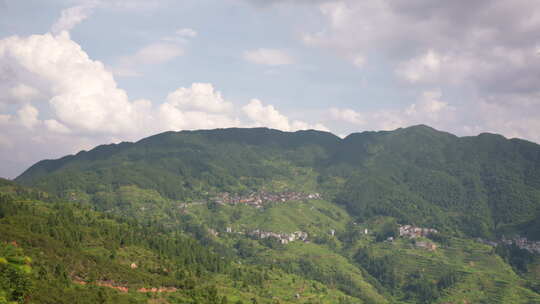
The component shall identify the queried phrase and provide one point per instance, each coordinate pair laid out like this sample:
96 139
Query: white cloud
28 116
81 92
429 109
201 107
176 119
200 97
272 57
22 92
80 104
267 116
197 107
423 68
72 16
347 115
54 126
484 51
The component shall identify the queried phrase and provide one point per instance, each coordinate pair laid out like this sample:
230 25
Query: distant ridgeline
483 186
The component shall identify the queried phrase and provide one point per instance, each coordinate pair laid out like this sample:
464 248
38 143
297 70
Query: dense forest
110 224
478 186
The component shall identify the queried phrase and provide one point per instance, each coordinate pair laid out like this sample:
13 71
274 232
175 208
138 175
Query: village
414 232
523 243
518 241
283 238
260 198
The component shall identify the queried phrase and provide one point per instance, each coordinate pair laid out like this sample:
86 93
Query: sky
75 74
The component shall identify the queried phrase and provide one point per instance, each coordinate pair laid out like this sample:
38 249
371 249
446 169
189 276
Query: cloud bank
485 50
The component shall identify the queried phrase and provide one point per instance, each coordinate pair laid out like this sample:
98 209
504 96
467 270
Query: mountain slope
301 217
78 255
58 252
473 185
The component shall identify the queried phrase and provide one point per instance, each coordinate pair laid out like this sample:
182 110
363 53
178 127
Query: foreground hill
483 186
65 252
58 252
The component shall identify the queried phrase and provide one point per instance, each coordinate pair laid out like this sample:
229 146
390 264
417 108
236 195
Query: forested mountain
474 185
263 216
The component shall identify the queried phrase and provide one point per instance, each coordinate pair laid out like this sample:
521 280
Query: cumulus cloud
265 115
429 109
200 97
72 16
54 126
197 107
268 116
22 92
272 57
28 116
426 67
80 104
202 107
347 115
177 119
81 92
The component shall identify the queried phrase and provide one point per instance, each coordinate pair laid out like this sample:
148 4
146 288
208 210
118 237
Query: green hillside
477 186
60 252
264 216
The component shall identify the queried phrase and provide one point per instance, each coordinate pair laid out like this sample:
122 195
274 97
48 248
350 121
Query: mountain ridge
305 209
351 135
187 164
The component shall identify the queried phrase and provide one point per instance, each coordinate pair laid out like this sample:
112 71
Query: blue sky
76 73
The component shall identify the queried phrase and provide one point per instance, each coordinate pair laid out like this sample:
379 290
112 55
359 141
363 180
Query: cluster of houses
523 243
284 238
414 232
258 199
